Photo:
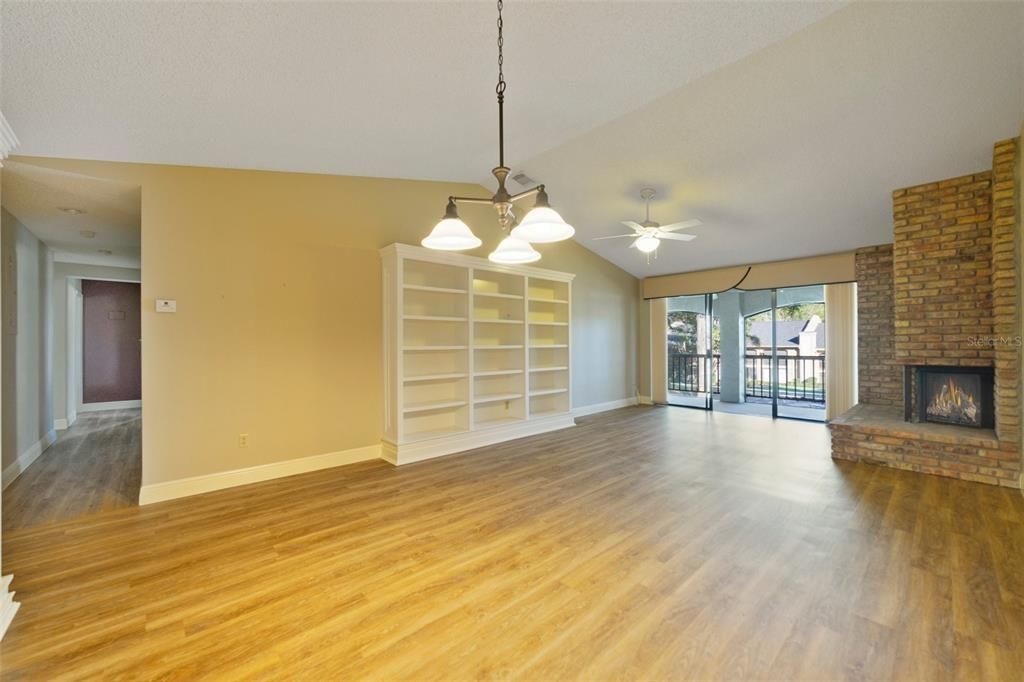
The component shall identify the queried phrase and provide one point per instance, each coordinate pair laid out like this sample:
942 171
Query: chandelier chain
500 88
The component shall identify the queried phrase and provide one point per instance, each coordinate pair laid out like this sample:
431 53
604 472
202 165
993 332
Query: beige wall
63 402
277 333
27 331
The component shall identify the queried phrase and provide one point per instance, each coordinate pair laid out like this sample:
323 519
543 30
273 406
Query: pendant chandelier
541 225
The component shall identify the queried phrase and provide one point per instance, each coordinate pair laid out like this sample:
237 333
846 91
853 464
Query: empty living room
513 340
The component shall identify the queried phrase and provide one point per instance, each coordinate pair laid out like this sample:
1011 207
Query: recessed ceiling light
106 252
88 234
70 210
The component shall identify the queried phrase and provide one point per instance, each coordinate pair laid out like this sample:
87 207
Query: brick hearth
945 292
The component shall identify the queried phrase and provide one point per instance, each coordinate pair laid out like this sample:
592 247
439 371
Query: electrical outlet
243 440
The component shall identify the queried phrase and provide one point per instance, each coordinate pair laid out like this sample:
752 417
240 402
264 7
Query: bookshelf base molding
460 442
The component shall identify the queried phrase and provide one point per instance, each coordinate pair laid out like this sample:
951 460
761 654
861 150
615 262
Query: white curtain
840 348
659 350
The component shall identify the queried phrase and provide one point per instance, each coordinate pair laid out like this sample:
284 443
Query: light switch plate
166 305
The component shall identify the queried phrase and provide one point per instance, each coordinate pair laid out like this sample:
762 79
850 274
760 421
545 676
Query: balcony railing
685 372
801 377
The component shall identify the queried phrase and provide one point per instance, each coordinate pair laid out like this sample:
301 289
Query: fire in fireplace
950 395
953 401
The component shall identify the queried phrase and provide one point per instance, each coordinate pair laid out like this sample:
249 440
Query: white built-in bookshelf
474 353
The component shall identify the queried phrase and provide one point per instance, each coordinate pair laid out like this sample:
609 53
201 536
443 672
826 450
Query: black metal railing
801 377
685 372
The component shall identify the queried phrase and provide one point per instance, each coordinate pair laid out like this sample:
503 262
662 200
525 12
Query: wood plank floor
646 543
96 465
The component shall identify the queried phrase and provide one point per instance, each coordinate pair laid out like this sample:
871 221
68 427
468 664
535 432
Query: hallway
94 466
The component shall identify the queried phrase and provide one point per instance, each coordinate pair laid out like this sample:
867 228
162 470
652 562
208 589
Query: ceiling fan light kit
648 235
541 225
647 243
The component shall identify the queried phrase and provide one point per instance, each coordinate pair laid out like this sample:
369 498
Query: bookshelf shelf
474 352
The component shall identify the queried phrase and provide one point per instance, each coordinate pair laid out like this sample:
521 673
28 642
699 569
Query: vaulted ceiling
782 125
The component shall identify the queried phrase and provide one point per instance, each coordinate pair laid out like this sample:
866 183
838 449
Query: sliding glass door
749 352
800 352
689 357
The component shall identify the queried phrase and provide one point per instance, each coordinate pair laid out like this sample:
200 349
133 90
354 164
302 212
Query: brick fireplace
939 341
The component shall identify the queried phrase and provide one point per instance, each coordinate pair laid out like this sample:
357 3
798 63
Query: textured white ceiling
112 211
783 125
359 88
795 150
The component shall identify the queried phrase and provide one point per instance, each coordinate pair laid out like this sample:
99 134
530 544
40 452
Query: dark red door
111 351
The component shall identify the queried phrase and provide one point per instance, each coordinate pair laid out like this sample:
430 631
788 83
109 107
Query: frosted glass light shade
647 243
451 234
512 251
543 225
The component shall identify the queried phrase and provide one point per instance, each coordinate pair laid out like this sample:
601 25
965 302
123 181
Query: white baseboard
8 607
113 405
25 459
603 407
60 424
183 487
644 400
408 453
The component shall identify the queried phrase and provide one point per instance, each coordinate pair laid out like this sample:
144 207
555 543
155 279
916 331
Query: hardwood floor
96 465
646 543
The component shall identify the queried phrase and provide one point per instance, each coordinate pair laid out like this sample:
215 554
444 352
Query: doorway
692 352
759 352
71 326
110 339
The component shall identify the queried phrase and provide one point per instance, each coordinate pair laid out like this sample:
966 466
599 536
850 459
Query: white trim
60 424
25 459
644 400
418 451
8 607
113 405
195 485
603 407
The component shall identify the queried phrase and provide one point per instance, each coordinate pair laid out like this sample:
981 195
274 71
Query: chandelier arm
527 193
471 200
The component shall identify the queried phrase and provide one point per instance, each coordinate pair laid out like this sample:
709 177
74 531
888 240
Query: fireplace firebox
962 396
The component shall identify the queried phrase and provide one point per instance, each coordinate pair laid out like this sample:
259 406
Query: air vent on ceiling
524 179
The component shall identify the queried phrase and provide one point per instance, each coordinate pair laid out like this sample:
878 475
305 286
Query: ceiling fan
647 235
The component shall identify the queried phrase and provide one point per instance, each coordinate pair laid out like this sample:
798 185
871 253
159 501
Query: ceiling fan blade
614 236
636 226
677 237
684 225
